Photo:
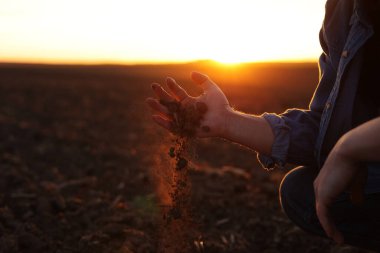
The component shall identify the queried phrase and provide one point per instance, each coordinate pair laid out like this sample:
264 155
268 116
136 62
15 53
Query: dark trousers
360 225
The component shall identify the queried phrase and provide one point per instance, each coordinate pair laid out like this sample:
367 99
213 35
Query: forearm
363 142
248 130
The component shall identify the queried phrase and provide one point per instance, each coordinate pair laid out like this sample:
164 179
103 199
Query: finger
161 93
155 105
165 123
202 80
198 78
327 223
176 90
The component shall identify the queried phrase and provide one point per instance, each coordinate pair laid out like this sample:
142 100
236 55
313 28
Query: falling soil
179 232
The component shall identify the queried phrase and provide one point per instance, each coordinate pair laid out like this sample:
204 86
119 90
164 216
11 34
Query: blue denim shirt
305 137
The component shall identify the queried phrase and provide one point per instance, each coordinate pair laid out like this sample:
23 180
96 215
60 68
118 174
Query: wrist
248 130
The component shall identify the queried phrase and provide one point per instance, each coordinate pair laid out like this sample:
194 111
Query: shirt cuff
280 146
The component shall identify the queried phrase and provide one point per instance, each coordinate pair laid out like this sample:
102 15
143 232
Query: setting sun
119 31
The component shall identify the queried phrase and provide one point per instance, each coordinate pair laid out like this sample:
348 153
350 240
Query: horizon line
142 63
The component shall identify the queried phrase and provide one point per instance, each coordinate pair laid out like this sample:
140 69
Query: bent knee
297 198
298 184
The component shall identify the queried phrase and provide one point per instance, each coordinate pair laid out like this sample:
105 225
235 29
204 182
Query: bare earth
83 169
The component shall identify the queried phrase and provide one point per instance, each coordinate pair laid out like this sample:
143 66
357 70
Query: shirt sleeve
281 144
295 132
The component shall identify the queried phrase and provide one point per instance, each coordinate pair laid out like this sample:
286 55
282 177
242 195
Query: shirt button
345 54
328 105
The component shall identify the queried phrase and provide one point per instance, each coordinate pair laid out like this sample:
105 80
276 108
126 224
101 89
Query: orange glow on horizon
167 31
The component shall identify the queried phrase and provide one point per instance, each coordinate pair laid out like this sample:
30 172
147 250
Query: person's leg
360 225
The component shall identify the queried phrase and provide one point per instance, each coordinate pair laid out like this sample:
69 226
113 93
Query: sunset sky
141 31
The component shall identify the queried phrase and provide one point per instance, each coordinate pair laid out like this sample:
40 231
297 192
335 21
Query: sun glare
159 31
228 61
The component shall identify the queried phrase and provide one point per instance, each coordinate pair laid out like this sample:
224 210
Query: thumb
202 80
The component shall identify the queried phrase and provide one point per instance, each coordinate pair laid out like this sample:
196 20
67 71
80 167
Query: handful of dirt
186 119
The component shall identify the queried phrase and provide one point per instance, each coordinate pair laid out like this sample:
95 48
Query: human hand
212 103
339 173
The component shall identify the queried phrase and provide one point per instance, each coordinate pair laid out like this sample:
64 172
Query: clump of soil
180 231
186 119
